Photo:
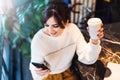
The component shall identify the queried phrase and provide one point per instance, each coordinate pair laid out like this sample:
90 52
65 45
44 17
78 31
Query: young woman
56 43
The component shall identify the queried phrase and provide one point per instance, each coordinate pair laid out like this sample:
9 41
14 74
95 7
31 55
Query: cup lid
94 20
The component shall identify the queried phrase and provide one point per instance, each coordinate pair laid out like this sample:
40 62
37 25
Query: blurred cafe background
20 20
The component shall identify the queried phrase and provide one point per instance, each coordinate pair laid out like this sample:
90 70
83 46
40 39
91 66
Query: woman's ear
68 21
65 23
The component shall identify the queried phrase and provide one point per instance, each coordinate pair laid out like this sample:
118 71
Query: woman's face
52 28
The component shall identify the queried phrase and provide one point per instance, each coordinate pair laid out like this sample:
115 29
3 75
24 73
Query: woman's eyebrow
55 24
52 24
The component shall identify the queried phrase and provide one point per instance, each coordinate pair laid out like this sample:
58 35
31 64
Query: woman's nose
51 29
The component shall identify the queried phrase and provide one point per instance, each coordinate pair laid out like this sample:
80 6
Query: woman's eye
55 26
46 25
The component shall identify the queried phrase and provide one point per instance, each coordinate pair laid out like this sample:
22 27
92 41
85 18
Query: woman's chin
53 35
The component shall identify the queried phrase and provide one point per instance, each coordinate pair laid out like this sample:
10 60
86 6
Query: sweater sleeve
34 75
36 56
88 53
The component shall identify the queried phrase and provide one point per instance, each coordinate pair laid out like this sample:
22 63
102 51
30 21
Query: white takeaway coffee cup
94 25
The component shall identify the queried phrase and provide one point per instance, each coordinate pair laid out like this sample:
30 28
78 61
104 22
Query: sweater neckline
50 37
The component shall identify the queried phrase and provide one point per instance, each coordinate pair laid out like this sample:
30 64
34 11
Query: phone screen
38 65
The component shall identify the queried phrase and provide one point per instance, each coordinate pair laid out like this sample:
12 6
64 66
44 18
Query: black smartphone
38 65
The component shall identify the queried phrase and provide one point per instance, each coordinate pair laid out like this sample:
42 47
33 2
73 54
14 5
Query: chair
81 9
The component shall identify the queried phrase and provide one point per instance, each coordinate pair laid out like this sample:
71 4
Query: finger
43 72
38 69
101 35
101 29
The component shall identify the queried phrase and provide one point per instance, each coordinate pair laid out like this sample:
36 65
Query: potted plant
23 23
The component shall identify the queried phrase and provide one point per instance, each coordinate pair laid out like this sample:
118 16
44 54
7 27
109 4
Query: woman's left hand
100 33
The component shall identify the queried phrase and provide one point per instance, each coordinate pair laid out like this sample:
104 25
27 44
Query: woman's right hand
42 72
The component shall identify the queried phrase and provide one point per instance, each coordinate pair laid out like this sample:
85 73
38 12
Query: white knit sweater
59 51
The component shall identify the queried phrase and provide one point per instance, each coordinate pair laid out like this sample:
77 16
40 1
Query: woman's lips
52 33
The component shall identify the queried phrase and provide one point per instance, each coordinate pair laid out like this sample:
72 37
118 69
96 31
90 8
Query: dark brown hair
59 10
